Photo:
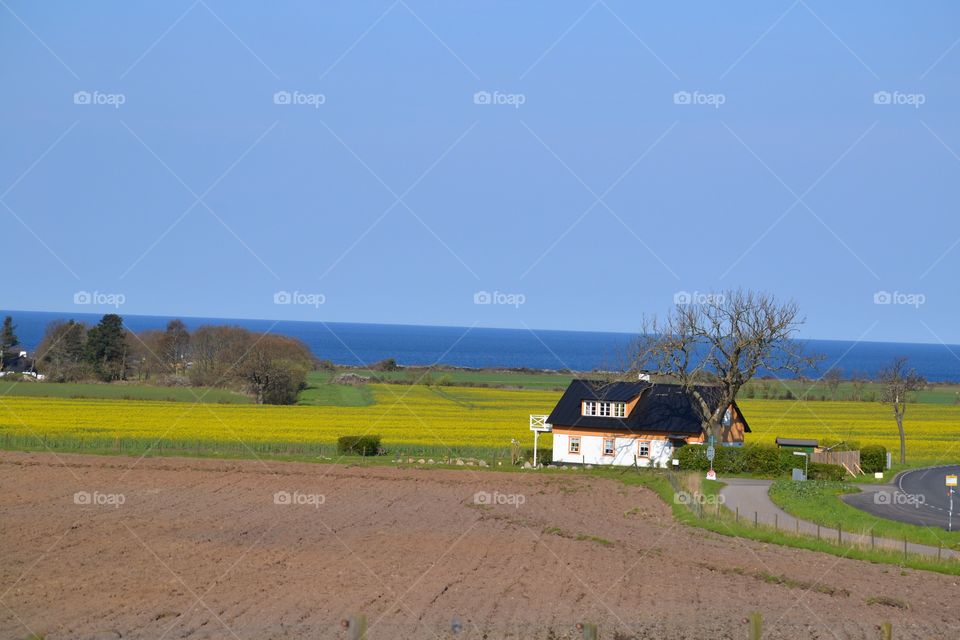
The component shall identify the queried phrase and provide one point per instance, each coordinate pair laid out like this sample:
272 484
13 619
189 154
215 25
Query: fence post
756 519
873 540
776 521
738 514
886 630
904 548
756 625
939 551
840 534
356 627
797 521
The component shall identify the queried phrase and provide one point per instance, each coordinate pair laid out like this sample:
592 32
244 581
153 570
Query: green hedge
760 459
544 455
359 445
820 471
873 458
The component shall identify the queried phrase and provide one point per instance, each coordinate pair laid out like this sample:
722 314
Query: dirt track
199 549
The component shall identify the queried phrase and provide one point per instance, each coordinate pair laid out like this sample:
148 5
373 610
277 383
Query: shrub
387 364
819 471
873 458
359 445
544 455
692 458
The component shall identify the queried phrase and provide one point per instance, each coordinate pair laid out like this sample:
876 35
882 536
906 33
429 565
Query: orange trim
642 442
574 431
614 451
570 444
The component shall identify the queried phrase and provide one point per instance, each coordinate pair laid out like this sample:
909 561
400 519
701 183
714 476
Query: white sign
951 481
711 475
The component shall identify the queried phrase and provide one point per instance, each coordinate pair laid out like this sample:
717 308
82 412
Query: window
609 446
605 409
644 450
574 444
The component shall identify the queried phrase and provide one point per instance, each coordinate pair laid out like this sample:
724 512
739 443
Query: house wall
729 436
626 448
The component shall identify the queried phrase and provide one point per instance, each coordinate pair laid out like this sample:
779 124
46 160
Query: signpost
806 462
711 454
951 487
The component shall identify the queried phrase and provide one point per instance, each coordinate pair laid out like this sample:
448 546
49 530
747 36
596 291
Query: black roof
796 442
664 408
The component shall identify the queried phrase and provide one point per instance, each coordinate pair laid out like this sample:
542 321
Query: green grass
121 391
321 393
819 501
441 376
940 393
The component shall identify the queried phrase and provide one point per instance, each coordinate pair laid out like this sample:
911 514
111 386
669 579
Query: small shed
805 444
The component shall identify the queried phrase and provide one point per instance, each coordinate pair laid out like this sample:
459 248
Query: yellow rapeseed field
439 418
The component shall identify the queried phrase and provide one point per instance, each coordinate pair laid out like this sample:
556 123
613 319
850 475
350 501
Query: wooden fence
848 459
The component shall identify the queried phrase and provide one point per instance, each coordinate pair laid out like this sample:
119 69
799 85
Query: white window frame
613 446
603 409
640 445
571 441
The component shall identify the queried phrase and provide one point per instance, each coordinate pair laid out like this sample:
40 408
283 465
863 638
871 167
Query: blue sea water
359 344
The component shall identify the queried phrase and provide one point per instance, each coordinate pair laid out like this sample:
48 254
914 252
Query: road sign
712 453
711 475
951 481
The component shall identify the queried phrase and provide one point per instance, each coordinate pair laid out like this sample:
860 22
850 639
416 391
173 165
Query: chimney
643 376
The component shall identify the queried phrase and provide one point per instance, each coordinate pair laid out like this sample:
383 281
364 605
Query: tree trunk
903 440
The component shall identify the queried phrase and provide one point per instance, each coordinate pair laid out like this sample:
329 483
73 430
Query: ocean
362 344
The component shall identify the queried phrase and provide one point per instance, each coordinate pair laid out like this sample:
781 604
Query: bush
819 471
763 460
766 460
544 456
873 458
359 445
387 364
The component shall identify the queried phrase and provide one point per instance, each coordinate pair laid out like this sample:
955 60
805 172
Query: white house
631 423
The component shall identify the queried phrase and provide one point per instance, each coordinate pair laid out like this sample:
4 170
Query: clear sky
394 159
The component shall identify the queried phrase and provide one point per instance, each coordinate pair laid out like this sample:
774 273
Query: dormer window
604 409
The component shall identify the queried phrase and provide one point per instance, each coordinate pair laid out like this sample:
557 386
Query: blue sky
197 158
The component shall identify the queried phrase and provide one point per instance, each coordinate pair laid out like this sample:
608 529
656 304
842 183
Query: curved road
749 498
918 496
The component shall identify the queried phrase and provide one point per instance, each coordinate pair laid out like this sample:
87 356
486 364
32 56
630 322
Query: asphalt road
917 497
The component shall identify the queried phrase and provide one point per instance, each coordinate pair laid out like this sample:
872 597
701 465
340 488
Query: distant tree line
270 367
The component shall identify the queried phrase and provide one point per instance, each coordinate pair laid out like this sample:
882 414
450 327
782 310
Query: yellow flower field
435 419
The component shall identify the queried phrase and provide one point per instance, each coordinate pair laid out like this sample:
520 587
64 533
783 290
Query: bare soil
184 548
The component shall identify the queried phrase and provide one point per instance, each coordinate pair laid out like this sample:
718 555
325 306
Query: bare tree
832 378
898 382
712 348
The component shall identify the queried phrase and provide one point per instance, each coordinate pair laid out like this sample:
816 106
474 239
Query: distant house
628 423
15 360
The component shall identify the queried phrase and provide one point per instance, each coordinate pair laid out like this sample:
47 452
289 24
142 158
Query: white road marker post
951 486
